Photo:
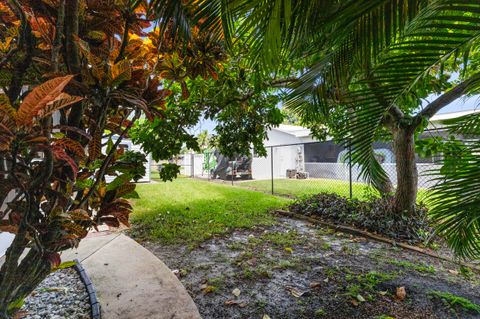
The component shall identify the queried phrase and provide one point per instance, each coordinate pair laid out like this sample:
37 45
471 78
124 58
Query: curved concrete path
130 281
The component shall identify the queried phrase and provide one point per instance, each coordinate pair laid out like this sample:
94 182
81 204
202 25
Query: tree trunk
20 281
407 175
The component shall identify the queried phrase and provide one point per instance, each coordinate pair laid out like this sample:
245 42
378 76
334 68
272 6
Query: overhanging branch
447 98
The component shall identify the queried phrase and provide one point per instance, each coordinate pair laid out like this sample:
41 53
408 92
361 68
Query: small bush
376 215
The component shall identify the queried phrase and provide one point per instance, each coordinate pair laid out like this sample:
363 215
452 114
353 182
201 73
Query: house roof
295 130
300 131
451 115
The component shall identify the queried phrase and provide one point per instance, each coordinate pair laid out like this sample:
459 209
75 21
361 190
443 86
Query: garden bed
298 270
374 215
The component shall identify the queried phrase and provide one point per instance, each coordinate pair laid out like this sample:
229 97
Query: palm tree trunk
407 175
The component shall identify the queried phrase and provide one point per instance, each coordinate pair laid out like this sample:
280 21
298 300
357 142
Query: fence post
350 169
232 173
271 166
192 165
208 165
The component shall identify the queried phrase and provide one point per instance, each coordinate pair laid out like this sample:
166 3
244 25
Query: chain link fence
297 170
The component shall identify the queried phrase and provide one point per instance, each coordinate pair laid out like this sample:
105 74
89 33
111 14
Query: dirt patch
298 270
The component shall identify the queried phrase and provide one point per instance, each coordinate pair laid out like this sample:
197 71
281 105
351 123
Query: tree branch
106 161
25 43
58 35
282 82
5 59
446 98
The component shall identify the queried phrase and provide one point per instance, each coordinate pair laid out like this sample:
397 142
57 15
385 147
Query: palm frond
373 82
175 16
455 198
216 17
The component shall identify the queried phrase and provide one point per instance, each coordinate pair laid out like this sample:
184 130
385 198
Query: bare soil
298 270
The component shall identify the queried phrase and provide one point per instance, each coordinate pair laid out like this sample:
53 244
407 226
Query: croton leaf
119 72
5 226
6 107
71 145
54 259
40 96
95 146
60 154
63 100
125 189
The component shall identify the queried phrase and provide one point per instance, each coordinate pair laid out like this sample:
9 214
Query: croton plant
75 75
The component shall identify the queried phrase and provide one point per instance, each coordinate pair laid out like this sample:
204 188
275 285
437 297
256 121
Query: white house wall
284 157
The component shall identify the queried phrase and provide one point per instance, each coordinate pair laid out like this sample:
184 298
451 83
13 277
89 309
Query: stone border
362 233
92 295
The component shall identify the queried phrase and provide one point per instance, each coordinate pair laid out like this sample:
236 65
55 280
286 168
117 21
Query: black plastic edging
92 295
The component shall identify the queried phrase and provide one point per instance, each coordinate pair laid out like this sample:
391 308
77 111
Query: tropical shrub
75 76
375 215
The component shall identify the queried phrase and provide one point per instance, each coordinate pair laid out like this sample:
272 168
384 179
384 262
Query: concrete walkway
130 281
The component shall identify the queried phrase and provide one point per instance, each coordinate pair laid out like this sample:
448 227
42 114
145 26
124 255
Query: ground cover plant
375 215
190 211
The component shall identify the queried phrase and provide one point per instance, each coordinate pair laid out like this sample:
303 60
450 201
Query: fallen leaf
20 314
230 302
360 298
289 249
315 284
453 272
252 262
209 289
325 280
266 317
401 293
354 302
295 292
383 293
236 292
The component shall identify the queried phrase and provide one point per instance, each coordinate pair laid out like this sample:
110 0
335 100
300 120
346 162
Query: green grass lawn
305 187
188 210
302 187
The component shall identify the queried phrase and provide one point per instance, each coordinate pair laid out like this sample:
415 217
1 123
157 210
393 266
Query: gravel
61 295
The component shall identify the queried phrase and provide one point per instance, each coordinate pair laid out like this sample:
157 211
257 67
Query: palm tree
375 60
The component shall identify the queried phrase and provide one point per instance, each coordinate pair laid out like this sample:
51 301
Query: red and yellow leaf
95 146
6 107
40 97
71 145
60 154
119 72
63 100
125 189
